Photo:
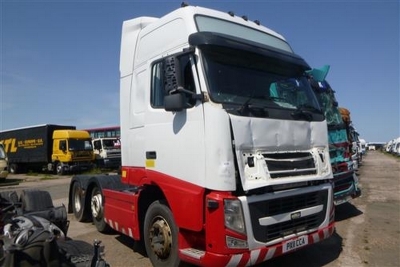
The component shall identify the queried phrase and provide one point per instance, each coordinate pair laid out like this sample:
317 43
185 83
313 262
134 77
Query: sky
59 59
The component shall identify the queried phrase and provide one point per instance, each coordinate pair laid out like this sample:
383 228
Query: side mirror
175 102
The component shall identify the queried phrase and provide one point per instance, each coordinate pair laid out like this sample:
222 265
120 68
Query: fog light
232 242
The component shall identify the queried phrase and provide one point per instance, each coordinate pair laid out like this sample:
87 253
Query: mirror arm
194 95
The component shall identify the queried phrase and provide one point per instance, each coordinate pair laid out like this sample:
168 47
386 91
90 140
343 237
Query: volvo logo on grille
295 215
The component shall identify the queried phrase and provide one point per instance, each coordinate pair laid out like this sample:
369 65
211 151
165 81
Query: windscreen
243 79
328 103
79 145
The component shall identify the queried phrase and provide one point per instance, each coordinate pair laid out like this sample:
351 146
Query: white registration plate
294 244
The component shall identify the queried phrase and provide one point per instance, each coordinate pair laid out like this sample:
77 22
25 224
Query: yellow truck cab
3 163
72 146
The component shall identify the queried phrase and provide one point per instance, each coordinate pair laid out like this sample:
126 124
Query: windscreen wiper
246 108
305 112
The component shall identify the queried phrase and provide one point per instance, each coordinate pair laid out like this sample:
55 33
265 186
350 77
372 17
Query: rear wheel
161 235
78 203
97 208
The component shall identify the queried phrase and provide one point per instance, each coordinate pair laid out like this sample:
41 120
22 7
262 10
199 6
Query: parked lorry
346 183
363 145
353 135
48 147
107 152
225 157
3 163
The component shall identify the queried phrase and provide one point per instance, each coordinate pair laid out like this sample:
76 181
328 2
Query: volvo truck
346 182
54 148
225 156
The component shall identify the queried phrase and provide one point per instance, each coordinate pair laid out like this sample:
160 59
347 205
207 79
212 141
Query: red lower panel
120 212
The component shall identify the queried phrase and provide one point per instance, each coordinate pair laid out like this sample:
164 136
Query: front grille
290 164
285 205
114 154
81 155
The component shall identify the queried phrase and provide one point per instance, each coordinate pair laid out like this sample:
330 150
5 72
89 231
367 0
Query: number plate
294 244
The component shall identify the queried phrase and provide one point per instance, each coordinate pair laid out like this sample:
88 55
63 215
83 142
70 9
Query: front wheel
60 169
13 168
97 208
161 235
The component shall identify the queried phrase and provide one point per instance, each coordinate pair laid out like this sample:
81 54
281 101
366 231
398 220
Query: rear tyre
161 236
97 208
78 203
36 200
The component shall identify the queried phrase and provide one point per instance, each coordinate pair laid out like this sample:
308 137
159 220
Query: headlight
234 216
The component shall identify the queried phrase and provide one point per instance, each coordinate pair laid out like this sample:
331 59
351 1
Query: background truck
3 163
49 147
346 185
225 157
353 136
107 152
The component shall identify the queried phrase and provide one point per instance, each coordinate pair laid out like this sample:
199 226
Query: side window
96 144
157 82
63 145
157 86
188 81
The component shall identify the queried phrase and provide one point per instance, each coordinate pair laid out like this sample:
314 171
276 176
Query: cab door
174 140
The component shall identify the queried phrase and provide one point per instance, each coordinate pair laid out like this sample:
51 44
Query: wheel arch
148 195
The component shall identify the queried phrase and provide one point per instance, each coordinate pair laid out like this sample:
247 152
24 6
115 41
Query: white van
3 163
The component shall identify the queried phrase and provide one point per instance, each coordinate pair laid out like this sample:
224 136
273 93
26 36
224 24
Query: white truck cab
3 163
219 103
107 152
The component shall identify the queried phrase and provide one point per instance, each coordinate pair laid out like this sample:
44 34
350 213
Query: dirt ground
371 236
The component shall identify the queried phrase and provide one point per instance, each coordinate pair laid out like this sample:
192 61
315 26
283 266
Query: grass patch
48 177
31 173
95 171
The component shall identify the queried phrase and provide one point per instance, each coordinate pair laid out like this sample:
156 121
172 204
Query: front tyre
60 169
13 168
161 236
97 208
